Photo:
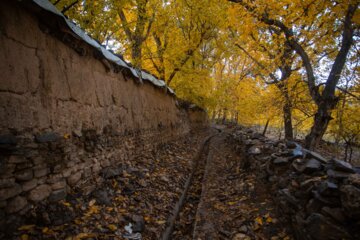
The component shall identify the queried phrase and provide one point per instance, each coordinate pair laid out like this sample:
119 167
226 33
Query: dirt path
226 202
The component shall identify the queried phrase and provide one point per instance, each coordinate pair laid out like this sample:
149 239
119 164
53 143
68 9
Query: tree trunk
266 126
321 121
288 121
136 52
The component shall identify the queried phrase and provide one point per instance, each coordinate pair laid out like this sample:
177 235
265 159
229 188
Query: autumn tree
312 28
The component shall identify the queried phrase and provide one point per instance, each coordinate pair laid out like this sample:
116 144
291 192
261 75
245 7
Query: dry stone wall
65 113
318 196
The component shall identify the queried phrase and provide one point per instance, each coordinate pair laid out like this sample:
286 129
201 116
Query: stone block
38 160
24 165
53 178
24 175
17 159
59 185
27 186
7 182
47 137
73 179
6 193
57 195
16 204
40 172
40 193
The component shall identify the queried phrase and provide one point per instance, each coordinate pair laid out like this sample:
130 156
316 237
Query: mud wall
65 113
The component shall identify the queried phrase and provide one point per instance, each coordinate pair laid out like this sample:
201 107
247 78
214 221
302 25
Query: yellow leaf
259 220
66 136
92 202
66 204
112 227
84 236
45 230
24 237
269 219
160 222
147 218
26 227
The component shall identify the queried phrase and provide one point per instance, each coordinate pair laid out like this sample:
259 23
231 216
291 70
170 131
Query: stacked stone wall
65 113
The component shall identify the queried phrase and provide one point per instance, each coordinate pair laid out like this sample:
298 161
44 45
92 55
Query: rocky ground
234 185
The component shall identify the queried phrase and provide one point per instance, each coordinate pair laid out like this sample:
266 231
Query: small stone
101 197
77 132
17 159
40 193
312 165
241 236
164 178
38 160
59 185
54 178
16 204
327 188
27 186
254 150
243 229
24 175
25 165
342 166
7 182
111 172
139 223
67 172
281 161
47 137
6 193
316 156
73 179
57 195
40 172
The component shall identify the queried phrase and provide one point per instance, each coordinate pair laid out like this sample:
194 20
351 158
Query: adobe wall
65 115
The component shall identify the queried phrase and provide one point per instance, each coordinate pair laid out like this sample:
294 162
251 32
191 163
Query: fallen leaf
269 220
84 236
26 227
259 220
24 237
112 227
160 221
66 135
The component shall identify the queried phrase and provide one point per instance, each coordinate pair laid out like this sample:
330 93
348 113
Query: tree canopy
293 64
